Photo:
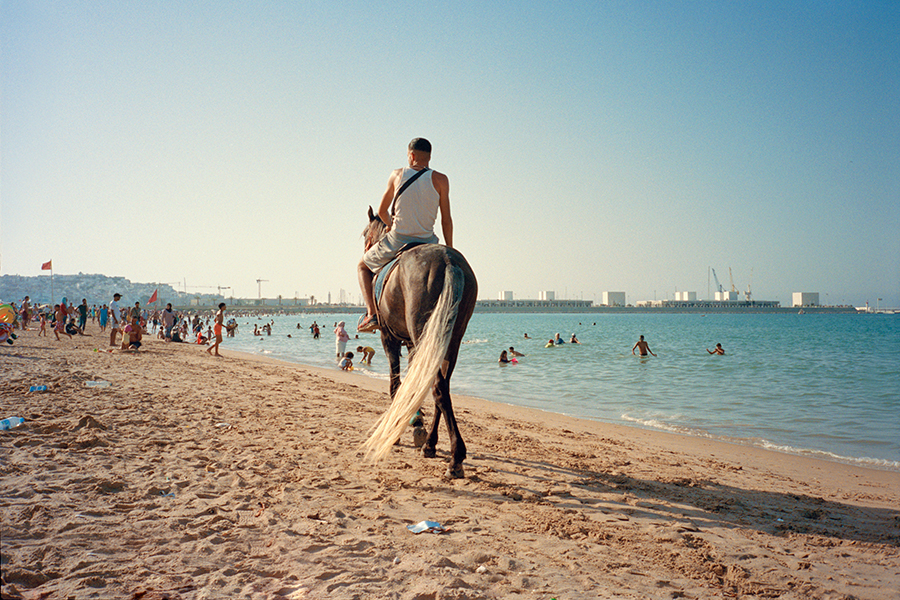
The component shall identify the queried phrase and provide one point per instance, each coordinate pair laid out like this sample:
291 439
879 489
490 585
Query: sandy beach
196 477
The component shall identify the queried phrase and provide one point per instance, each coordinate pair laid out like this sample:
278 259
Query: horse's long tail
424 363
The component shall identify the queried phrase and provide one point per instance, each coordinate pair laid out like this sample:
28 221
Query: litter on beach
38 388
429 526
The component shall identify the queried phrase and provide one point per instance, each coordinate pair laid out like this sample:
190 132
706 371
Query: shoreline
734 449
199 477
818 455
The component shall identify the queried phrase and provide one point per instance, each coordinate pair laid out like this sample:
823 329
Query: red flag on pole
153 297
47 266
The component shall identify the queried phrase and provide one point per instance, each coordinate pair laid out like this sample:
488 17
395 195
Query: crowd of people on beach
128 323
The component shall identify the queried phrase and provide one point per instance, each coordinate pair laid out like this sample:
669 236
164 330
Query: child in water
347 362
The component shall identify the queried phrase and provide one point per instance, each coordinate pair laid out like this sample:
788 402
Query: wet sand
197 477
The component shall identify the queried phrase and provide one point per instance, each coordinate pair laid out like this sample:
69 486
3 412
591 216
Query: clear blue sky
590 146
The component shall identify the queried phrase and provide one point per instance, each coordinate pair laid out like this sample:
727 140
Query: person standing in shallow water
717 350
412 221
341 337
643 346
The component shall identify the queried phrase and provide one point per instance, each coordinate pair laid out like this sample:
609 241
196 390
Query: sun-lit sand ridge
196 477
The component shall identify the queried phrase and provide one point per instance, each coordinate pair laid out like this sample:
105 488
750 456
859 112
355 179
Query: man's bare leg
365 283
215 346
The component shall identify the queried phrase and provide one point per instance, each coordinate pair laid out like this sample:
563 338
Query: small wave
874 463
864 461
657 424
476 341
372 374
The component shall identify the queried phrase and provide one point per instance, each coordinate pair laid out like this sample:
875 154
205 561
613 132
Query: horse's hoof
420 436
456 472
429 452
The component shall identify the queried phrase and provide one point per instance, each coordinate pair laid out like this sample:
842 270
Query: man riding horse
426 297
412 221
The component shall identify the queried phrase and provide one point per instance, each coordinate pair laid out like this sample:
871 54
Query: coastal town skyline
98 287
624 147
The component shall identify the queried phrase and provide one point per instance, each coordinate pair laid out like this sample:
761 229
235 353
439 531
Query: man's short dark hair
421 145
221 305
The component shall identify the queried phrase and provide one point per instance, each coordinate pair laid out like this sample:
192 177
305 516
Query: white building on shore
805 299
613 299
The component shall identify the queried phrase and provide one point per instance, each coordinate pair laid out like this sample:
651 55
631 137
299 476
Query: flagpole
52 296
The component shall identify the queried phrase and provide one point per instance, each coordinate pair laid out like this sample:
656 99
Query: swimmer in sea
514 352
717 350
558 340
643 346
526 337
550 344
574 340
503 358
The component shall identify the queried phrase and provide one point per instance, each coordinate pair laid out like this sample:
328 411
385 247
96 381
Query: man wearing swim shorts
217 330
132 335
26 313
414 214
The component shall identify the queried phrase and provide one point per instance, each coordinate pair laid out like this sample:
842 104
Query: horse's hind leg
392 350
444 405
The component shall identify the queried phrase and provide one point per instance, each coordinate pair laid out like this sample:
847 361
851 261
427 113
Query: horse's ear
372 216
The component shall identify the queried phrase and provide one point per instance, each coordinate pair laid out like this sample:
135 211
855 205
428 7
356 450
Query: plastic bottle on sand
10 423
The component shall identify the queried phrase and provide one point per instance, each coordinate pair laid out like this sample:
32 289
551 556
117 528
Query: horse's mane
374 231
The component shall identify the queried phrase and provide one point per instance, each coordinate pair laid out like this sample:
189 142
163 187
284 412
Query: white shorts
386 250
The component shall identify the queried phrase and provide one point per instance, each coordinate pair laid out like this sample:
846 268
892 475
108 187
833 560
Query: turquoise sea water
820 385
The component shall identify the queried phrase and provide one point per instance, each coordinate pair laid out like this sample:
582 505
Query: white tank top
416 209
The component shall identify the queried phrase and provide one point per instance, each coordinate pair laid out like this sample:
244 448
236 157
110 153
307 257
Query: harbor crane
747 294
716 277
730 276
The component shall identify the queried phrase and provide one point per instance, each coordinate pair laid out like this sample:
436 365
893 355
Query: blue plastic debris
429 526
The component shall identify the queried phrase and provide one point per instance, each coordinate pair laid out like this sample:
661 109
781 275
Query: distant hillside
97 289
